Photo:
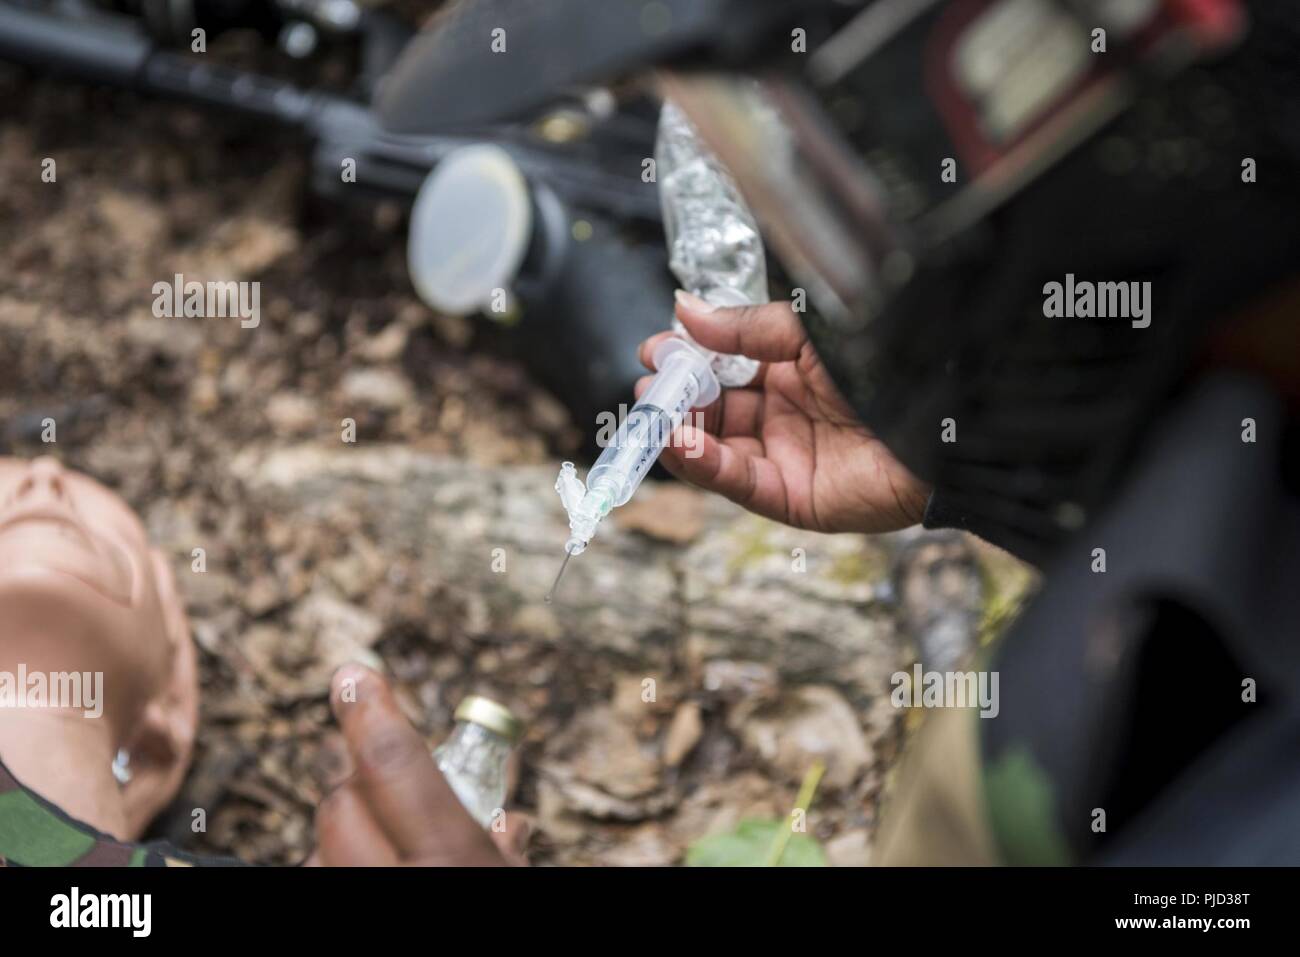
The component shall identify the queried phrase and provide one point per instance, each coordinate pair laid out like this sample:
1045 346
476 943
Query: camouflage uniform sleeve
36 833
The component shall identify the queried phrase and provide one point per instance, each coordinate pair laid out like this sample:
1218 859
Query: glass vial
473 758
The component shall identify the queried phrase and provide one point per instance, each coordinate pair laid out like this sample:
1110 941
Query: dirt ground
198 422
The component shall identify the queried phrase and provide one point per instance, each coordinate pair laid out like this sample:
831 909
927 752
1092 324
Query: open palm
787 446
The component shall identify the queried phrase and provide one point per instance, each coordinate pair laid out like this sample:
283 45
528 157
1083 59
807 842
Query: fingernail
367 657
693 302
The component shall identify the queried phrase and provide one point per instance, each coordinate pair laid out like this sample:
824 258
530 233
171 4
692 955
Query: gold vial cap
486 713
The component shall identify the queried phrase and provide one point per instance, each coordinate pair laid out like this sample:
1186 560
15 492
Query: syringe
684 380
716 252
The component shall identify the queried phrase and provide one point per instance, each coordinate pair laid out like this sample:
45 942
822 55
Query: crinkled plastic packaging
714 247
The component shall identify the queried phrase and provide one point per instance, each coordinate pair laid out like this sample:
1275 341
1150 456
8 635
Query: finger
347 835
769 333
730 470
737 412
335 760
646 351
513 841
745 445
396 775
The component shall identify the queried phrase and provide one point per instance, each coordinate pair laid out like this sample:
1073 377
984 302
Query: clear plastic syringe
716 251
683 381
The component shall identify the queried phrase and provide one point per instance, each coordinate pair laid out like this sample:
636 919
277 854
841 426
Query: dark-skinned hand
787 446
396 808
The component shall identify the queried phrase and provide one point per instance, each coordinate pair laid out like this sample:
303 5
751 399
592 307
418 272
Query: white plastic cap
470 229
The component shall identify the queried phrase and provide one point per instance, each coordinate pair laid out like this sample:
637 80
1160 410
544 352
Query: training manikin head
82 590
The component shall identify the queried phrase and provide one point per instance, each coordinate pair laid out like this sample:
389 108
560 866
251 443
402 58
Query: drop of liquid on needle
558 575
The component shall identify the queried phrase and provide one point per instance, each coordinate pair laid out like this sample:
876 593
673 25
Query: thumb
513 841
770 332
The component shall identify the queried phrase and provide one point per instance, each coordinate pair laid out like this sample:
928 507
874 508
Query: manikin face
65 523
82 590
80 587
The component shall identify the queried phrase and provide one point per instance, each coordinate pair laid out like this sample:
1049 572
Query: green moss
865 564
1007 584
752 546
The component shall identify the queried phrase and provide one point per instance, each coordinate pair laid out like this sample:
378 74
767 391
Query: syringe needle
558 575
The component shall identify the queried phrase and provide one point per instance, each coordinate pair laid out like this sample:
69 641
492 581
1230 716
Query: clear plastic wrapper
714 246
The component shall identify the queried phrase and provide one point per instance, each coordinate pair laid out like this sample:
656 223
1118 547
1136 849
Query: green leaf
748 846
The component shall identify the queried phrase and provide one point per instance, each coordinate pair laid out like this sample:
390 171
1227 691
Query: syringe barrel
683 381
